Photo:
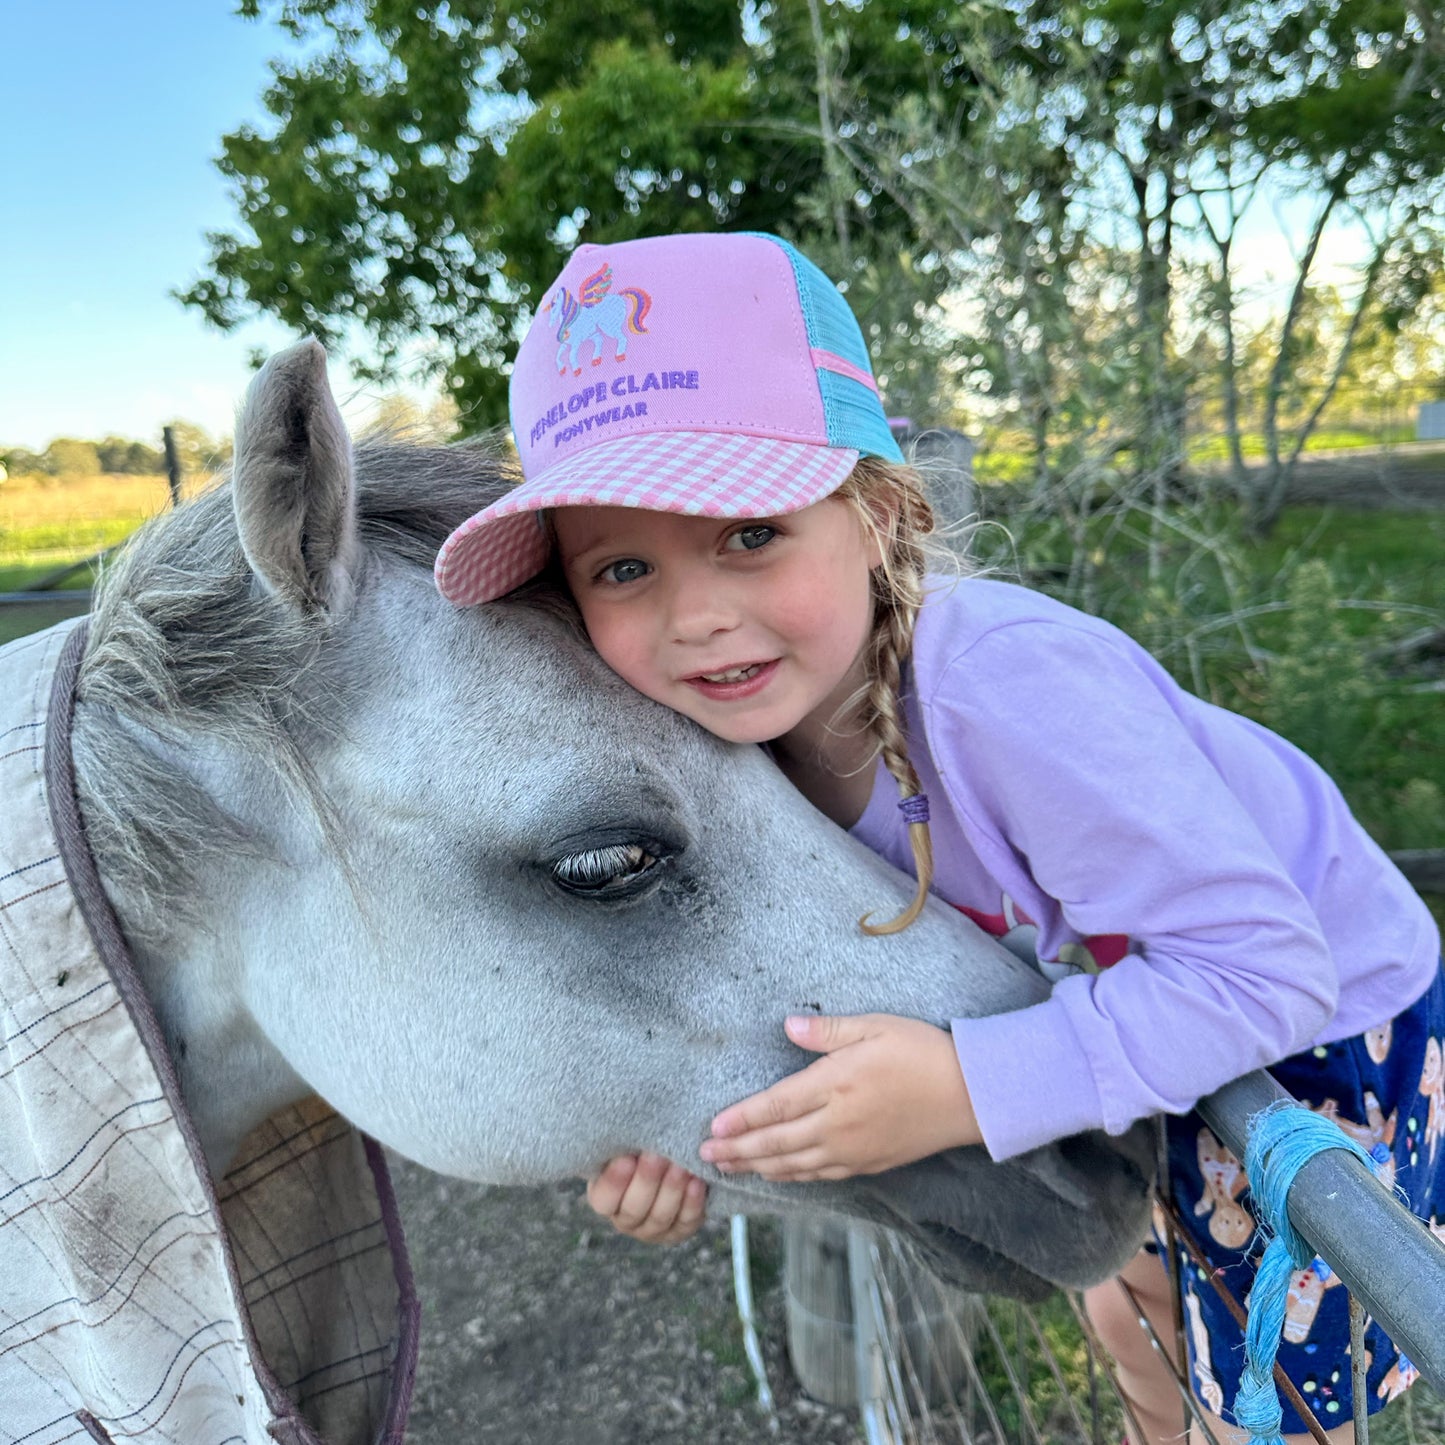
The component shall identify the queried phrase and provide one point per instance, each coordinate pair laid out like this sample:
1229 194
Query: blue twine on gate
1283 1138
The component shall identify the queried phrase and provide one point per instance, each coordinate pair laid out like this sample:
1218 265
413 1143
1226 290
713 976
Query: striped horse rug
140 1300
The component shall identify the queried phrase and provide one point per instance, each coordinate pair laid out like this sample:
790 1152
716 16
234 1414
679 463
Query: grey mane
186 644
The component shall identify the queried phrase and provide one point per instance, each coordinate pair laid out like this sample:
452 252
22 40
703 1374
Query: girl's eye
629 569
749 539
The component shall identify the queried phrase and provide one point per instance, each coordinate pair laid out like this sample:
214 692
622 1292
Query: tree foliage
196 449
1085 178
69 457
119 456
1130 150
111 456
426 167
21 461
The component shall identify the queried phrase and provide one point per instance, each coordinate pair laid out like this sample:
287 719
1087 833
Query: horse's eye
597 872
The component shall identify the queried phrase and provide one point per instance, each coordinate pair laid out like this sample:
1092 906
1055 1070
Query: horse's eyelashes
597 869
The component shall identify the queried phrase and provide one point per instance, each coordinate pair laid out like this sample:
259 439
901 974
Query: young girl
708 464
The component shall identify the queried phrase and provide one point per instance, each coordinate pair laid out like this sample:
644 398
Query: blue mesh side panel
855 418
854 415
831 323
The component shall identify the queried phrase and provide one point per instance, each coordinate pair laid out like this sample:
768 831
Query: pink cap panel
611 353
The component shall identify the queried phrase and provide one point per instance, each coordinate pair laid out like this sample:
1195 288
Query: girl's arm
1082 779
1088 798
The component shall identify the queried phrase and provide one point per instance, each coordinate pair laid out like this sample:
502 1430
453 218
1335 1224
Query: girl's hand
649 1198
887 1091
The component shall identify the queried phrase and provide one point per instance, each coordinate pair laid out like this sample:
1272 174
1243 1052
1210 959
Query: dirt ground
542 1327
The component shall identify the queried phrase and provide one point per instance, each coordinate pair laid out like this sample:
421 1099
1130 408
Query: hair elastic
914 808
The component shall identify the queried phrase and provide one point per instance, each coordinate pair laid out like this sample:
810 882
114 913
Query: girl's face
755 629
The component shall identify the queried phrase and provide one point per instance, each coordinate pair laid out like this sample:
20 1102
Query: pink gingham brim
700 474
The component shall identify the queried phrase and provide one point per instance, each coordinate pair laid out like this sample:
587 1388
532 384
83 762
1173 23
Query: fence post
173 465
945 458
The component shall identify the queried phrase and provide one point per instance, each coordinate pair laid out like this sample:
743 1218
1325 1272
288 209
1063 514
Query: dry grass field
62 519
47 522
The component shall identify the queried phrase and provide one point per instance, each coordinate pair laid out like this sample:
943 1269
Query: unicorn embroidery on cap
594 313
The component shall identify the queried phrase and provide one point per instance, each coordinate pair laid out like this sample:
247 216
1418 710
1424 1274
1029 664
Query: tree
1403 348
1079 175
21 461
67 457
1333 106
144 461
396 415
122 457
428 165
1145 134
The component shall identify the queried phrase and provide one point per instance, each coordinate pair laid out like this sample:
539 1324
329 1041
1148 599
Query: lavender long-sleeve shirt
1082 800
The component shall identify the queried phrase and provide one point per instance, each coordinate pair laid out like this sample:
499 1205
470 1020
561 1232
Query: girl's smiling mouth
729 683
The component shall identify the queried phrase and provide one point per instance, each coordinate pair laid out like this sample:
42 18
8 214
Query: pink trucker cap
715 375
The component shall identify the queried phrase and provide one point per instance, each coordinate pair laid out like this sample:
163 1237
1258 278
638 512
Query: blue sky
112 114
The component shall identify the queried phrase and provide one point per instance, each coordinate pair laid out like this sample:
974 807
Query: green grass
1381 554
1342 438
17 576
1037 1359
60 542
1295 631
1002 466
1416 1418
1017 1353
1370 720
57 518
21 620
1007 459
1375 729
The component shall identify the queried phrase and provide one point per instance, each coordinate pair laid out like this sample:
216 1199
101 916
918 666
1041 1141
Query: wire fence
926 1364
55 596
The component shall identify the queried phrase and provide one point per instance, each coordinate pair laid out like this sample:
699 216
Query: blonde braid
889 499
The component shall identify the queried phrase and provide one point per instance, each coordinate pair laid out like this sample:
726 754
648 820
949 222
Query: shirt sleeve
1074 771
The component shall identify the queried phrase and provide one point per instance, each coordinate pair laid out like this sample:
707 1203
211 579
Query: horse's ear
292 483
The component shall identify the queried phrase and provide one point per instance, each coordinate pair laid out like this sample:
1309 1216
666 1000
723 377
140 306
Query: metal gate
929 1365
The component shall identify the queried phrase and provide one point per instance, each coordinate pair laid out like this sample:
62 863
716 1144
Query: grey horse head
506 915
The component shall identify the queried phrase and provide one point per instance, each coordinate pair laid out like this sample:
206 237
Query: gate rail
46 591
1390 1260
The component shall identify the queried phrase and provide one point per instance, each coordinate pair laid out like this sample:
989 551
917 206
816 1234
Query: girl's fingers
824 1033
662 1223
649 1198
694 1204
795 1168
605 1192
642 1198
792 1098
690 1213
772 1142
